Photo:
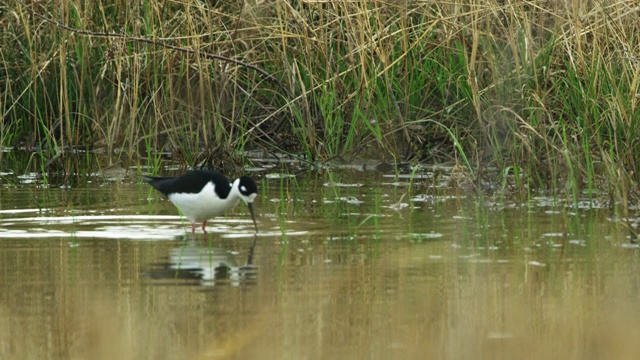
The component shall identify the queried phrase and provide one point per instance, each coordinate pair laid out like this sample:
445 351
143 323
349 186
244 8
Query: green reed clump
548 88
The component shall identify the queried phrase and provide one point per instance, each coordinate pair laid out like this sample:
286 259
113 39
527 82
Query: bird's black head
247 187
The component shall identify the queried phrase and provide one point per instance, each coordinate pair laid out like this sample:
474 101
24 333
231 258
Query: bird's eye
243 189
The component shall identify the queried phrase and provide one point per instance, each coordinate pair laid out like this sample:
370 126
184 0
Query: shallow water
346 265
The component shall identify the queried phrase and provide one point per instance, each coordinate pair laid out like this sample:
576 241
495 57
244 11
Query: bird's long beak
253 217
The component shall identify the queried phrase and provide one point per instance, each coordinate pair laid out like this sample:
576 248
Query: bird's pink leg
193 228
204 225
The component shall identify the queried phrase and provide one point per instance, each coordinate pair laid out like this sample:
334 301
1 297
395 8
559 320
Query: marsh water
348 264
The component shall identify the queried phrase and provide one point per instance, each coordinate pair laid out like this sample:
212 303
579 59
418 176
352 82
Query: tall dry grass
548 89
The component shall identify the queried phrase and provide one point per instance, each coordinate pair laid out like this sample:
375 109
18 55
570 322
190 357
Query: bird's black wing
189 182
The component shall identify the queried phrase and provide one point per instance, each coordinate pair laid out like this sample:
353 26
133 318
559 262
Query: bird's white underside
203 205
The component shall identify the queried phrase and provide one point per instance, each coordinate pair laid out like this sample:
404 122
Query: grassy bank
543 90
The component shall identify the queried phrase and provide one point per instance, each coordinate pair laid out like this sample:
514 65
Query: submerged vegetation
544 90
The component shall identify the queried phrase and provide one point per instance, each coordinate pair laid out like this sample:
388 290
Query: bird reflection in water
206 266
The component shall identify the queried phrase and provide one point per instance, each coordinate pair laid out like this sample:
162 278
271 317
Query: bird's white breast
204 205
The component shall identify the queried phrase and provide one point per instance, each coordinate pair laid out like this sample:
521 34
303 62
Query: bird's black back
190 182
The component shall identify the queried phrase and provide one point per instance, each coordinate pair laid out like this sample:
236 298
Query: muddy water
346 266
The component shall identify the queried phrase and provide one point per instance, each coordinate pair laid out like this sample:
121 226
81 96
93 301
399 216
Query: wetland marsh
498 218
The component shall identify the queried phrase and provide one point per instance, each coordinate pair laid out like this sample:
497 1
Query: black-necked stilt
204 194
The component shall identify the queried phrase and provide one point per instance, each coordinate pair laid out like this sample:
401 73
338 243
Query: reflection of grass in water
403 303
477 313
84 323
